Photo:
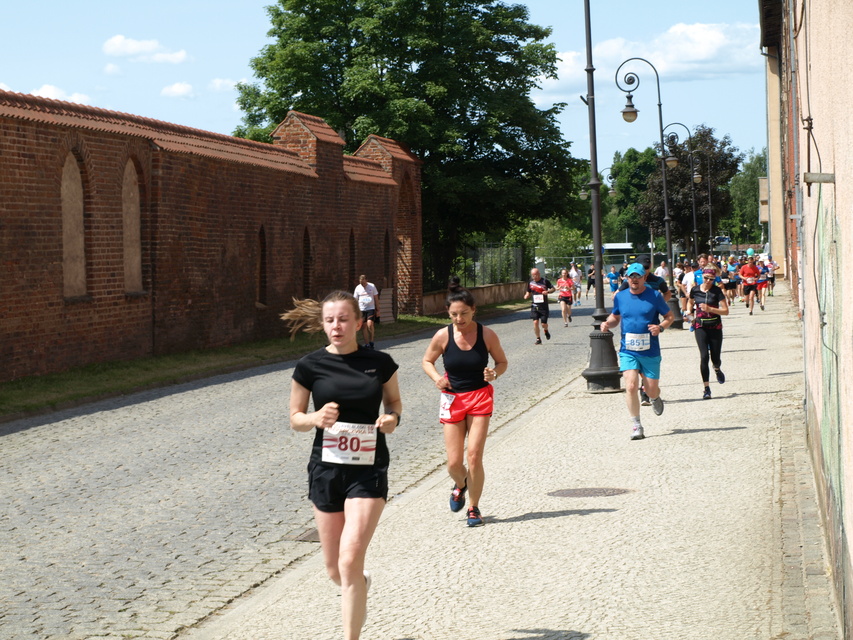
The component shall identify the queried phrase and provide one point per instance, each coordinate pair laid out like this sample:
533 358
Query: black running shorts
329 485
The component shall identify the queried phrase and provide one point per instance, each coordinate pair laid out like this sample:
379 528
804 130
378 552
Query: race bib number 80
349 443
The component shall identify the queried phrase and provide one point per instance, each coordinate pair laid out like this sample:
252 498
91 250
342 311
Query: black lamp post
695 176
629 113
602 375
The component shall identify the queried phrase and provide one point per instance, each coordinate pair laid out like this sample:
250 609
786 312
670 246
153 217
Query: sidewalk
708 528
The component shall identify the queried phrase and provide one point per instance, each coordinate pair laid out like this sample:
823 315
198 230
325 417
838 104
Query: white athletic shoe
637 432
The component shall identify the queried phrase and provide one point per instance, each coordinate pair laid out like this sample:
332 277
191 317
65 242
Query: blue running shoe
457 498
474 517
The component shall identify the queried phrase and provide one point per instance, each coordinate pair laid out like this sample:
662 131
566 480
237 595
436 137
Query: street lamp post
603 374
695 177
629 113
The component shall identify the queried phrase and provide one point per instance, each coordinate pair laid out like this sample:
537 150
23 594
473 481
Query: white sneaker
637 432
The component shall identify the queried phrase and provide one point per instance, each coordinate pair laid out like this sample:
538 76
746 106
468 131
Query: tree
742 224
631 172
449 78
717 157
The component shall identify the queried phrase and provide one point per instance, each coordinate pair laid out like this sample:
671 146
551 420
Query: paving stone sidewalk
708 528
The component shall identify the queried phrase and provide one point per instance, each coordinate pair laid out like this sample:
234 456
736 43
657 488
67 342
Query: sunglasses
635 276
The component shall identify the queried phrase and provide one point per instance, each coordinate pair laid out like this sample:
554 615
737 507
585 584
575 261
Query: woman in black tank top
466 399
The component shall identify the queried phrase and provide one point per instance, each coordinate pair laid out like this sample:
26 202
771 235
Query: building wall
228 232
816 130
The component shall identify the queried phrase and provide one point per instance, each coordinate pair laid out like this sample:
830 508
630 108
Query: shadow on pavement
550 634
684 432
541 515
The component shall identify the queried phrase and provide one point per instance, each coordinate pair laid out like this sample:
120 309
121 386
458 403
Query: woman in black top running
348 470
710 304
466 394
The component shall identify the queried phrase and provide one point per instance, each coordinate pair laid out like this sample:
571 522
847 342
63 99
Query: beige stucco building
810 208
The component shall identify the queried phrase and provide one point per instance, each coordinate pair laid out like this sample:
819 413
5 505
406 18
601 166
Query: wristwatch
394 413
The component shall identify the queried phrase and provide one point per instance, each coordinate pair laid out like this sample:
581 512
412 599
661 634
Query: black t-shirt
713 297
537 287
354 381
465 368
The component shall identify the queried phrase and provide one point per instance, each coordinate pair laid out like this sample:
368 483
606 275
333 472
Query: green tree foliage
630 172
742 224
449 78
710 154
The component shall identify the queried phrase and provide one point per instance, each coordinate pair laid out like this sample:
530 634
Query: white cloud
50 91
691 51
142 50
178 90
222 84
5 87
121 46
173 58
684 52
112 69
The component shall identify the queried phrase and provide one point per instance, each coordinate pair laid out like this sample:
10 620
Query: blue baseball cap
636 269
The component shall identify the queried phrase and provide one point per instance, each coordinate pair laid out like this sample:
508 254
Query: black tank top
465 368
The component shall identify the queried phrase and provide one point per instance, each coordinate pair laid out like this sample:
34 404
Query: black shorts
566 299
730 285
539 312
329 485
590 283
748 288
368 314
771 279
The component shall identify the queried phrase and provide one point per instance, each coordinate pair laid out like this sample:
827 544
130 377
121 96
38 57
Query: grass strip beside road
39 394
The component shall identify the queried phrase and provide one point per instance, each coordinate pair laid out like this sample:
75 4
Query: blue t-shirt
614 280
638 311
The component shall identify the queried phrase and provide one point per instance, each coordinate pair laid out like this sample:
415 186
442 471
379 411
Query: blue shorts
649 366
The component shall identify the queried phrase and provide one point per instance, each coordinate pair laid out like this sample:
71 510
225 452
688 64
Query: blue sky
178 61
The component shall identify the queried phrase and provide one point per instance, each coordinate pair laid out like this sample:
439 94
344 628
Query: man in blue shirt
639 307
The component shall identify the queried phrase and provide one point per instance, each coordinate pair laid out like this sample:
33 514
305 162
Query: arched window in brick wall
261 267
351 274
73 230
131 217
307 261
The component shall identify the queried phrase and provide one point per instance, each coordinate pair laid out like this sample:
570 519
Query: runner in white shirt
368 301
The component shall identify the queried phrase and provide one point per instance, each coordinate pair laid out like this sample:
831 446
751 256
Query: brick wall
204 200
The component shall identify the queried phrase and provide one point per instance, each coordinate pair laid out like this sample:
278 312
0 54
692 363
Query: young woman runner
467 397
348 469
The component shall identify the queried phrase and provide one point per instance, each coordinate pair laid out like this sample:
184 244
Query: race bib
349 443
638 341
444 405
364 301
725 280
538 298
750 281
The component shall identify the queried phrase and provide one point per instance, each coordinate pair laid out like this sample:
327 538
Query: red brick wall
41 331
201 218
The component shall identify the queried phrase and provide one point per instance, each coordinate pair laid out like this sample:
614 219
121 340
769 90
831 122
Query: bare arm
433 352
493 344
300 419
612 321
392 404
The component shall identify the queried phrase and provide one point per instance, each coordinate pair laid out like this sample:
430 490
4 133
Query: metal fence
550 266
490 263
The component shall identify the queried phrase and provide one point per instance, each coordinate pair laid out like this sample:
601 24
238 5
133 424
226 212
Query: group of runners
356 398
747 279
